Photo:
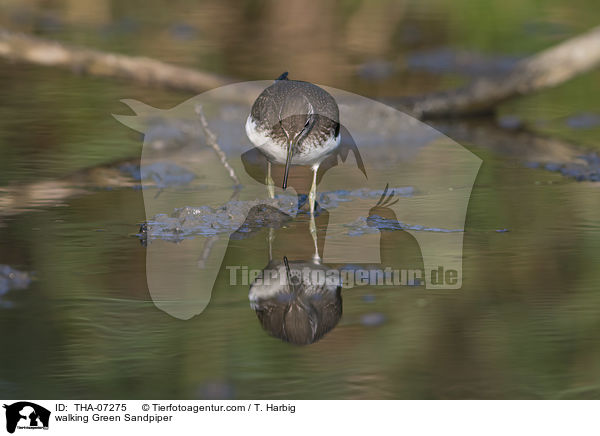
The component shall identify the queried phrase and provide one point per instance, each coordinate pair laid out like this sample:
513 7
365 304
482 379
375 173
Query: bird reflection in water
298 302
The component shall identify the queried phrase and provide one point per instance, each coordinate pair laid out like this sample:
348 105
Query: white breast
277 152
260 140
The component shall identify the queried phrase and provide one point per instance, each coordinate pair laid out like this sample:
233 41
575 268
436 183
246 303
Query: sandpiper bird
294 122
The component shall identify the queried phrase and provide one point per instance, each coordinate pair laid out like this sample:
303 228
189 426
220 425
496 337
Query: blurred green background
525 325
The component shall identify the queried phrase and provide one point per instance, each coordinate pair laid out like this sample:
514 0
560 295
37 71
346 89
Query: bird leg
269 182
270 239
312 198
271 190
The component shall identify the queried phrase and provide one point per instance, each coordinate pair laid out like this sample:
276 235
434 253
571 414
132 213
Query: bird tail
284 76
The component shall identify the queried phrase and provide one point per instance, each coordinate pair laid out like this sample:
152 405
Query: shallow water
524 324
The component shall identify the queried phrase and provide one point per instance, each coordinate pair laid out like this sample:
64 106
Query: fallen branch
544 70
29 49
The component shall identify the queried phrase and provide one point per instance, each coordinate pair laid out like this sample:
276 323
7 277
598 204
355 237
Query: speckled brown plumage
283 110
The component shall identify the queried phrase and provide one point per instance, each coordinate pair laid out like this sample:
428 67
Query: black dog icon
29 412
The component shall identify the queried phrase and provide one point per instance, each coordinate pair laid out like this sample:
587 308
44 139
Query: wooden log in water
546 69
19 47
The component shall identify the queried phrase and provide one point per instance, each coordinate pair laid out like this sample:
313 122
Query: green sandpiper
294 123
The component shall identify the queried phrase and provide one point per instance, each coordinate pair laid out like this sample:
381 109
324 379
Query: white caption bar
250 417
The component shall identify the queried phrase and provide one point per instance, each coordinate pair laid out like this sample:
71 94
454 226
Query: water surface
524 324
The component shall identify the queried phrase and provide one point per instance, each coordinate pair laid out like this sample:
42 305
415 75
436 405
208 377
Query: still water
523 325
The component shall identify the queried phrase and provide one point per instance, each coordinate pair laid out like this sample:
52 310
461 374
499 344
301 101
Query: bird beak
288 161
288 272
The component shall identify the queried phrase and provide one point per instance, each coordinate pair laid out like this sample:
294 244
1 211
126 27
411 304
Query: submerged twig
208 244
211 141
